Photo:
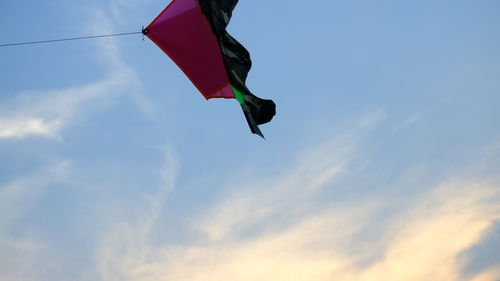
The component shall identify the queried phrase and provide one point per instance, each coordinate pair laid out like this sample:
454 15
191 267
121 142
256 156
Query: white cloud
242 238
122 246
19 128
119 9
373 119
16 196
488 275
26 256
423 243
275 228
46 113
254 201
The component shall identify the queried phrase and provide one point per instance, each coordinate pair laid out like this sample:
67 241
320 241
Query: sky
382 163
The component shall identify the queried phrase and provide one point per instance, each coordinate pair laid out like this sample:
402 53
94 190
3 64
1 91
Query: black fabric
236 58
251 122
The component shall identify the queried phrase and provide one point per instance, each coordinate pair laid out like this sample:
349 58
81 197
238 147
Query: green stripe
239 95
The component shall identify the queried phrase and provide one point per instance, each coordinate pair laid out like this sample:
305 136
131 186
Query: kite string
68 39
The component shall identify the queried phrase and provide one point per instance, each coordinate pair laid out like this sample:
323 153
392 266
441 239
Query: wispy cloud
128 238
277 229
424 242
257 200
19 127
119 9
25 256
27 188
46 113
310 220
489 275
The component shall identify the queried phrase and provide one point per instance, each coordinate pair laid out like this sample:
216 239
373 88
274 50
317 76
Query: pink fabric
226 92
183 32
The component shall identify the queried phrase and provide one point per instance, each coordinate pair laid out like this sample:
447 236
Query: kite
193 34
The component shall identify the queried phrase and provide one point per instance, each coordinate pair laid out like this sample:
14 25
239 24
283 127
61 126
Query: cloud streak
46 113
276 229
129 238
26 256
423 242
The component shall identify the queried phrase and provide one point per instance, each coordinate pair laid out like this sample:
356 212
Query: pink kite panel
183 32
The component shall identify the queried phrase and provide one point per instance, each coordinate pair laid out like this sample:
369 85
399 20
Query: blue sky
382 163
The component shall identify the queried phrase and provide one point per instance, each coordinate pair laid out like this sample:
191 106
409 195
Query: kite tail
251 122
262 110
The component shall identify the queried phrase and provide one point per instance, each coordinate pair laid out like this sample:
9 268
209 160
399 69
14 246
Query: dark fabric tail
251 122
262 110
236 59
